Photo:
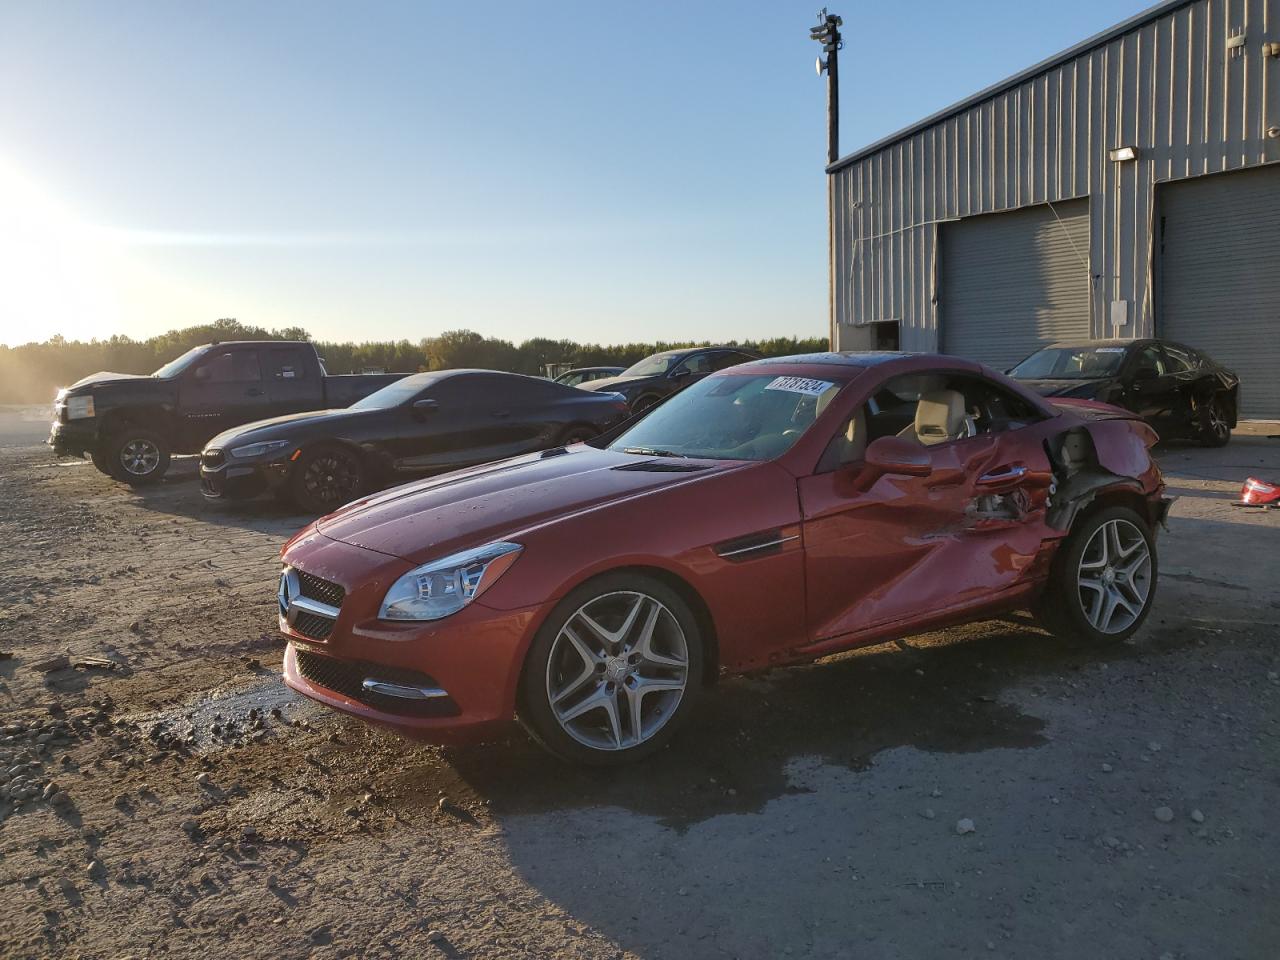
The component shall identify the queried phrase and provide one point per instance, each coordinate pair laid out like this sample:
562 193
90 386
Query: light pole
827 33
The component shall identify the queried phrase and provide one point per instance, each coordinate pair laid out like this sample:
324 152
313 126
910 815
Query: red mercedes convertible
772 513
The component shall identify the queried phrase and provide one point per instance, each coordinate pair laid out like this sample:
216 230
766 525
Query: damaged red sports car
771 513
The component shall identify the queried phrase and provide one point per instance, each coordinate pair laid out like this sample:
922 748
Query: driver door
885 550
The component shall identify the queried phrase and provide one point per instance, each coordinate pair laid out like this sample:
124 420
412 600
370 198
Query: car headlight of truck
258 449
79 408
443 587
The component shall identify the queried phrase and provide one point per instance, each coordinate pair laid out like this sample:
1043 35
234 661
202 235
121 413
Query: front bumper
241 481
472 658
73 438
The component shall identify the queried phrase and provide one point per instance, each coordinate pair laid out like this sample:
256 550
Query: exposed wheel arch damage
1082 480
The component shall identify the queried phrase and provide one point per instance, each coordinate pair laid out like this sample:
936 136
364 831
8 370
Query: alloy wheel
617 671
139 457
331 478
1114 578
1218 426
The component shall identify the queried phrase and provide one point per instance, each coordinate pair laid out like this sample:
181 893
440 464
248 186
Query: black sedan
658 376
1180 391
424 424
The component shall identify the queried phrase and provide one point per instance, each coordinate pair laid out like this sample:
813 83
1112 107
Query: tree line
32 372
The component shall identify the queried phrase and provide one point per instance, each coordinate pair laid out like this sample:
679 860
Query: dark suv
658 376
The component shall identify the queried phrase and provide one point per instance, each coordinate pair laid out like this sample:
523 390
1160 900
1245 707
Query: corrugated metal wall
1170 87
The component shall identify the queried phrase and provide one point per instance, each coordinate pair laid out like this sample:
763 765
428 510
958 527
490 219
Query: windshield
1070 363
394 394
653 366
175 367
730 418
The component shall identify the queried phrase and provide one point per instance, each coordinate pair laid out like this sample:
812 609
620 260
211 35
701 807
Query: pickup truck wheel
137 456
100 461
325 478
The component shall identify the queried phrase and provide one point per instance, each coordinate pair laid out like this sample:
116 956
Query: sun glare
57 275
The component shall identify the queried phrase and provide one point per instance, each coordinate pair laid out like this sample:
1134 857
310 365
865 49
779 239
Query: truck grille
346 677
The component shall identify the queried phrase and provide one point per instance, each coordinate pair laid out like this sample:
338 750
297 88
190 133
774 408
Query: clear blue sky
368 171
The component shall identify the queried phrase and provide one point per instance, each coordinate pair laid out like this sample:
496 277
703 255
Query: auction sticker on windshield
810 388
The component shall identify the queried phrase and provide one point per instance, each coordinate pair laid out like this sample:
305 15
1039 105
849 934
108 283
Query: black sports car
424 424
658 376
1180 391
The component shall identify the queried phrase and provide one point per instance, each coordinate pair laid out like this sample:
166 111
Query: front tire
325 478
100 462
613 672
136 456
642 404
1103 579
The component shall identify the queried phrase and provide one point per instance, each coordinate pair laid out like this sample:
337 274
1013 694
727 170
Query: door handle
1006 475
502 414
253 392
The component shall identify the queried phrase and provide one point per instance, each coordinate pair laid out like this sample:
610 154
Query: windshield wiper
654 452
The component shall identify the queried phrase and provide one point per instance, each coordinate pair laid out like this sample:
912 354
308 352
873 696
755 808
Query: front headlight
443 587
79 408
258 449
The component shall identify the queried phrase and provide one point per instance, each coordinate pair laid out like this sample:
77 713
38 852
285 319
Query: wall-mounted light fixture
1121 154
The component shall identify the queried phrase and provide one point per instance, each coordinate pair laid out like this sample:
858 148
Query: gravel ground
984 791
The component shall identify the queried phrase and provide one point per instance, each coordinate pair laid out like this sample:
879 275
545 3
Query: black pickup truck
129 425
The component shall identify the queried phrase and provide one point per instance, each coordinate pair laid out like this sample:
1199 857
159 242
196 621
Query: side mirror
898 456
423 407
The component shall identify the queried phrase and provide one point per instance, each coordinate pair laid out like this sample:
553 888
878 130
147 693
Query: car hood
104 377
280 428
468 508
1066 388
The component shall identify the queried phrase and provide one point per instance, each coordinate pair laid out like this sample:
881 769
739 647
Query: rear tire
100 462
325 478
1215 423
1103 580
136 456
618 691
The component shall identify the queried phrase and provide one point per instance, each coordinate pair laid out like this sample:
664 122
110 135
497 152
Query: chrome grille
314 588
313 625
309 604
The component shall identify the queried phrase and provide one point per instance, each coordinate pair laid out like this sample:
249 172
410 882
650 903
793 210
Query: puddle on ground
218 718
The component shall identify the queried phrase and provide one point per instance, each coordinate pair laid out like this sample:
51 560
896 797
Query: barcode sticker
810 388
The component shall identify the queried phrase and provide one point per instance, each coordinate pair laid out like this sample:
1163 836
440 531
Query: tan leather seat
939 417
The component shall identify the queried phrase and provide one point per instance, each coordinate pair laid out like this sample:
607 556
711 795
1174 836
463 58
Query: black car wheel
613 672
136 456
1103 579
643 403
1215 423
326 478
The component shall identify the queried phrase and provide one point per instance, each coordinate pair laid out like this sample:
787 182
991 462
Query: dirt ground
184 803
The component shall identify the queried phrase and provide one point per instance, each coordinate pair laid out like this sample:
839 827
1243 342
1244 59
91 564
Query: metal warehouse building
1128 187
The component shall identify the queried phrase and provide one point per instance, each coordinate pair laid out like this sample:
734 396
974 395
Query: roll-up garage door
1219 283
1014 282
